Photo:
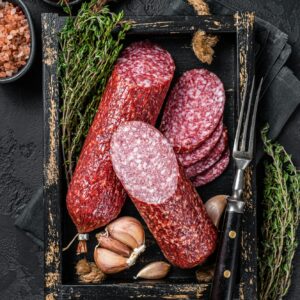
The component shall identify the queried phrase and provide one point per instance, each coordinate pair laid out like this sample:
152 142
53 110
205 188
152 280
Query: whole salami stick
135 91
146 164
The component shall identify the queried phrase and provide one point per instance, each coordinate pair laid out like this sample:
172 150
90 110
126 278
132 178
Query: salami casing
193 110
146 164
207 162
135 91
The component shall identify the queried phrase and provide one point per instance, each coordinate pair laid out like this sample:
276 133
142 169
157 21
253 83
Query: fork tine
246 123
252 131
240 121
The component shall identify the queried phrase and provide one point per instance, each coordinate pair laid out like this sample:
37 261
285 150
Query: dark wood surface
21 120
233 63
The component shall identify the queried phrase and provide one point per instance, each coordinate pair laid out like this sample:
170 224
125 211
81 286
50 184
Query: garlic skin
215 208
109 262
120 245
155 270
128 231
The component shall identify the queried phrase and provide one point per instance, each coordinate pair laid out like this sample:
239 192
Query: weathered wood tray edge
242 24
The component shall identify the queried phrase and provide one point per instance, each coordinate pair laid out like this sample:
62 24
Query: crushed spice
15 39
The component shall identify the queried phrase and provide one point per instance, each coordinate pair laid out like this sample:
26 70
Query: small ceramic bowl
56 4
23 70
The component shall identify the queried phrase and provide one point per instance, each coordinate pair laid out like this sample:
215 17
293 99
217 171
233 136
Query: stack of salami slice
193 124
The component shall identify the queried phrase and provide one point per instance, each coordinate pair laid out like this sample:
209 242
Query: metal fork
227 258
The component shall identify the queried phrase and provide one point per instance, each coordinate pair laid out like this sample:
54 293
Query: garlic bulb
119 245
155 270
215 207
127 230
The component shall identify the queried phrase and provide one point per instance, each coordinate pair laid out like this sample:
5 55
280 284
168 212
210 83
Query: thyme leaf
281 201
89 49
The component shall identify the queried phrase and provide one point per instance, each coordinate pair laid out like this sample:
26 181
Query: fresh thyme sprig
89 50
281 201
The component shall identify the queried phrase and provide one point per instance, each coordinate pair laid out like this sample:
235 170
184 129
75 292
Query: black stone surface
21 124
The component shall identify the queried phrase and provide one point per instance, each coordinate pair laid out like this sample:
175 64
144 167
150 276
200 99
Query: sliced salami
194 109
146 164
215 171
188 159
135 91
211 159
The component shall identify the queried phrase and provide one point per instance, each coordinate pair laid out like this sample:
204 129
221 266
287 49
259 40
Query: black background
21 144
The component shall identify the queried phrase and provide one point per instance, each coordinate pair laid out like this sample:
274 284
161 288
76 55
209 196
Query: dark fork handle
227 260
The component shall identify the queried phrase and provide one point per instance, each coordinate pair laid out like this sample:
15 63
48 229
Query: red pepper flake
14 39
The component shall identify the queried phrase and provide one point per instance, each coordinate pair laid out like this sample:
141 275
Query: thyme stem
89 49
281 200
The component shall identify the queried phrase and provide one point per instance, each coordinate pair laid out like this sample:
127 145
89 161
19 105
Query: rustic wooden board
233 65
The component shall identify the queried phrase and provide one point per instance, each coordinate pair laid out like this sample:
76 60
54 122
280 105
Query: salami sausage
135 91
146 164
188 159
215 171
193 110
205 163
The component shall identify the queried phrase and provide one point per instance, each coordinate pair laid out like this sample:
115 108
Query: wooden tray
233 64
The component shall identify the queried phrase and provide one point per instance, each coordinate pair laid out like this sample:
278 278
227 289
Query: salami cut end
188 159
208 162
215 171
145 163
194 109
145 64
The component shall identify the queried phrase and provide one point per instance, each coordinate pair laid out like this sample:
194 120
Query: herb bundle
89 50
281 201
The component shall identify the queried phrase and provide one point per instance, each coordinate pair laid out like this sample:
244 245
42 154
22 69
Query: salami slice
215 171
146 164
205 163
188 159
135 91
194 109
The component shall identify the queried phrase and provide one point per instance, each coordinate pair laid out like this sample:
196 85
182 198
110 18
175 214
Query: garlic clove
215 208
109 262
124 238
113 245
155 270
128 231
